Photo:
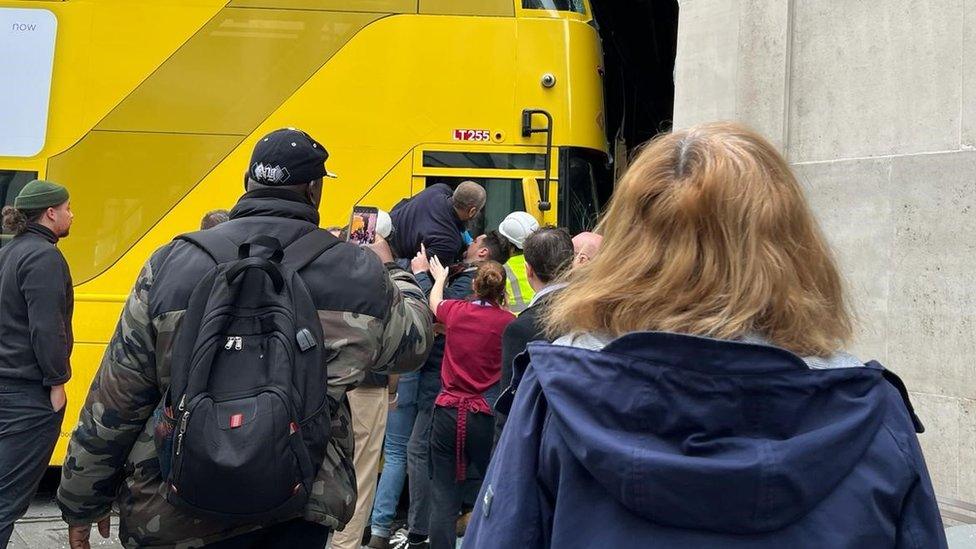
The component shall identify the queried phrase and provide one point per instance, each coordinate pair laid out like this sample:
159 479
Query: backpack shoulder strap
220 248
307 248
898 384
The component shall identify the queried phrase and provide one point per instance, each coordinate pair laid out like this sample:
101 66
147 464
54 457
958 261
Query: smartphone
362 225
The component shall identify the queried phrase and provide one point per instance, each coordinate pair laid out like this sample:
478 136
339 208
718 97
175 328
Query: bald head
586 245
469 197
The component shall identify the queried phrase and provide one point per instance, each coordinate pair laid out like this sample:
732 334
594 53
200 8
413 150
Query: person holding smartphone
362 225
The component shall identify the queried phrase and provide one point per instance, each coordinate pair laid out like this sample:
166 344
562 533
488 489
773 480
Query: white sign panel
26 61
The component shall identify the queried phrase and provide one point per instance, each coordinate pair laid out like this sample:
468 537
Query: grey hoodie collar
596 342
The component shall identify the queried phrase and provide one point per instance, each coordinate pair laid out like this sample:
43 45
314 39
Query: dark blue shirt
428 218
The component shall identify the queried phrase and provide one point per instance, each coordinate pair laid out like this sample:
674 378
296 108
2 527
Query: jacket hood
706 434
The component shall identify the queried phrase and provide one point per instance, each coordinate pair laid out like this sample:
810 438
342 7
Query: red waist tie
464 405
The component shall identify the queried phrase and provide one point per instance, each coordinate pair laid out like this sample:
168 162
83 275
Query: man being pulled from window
436 218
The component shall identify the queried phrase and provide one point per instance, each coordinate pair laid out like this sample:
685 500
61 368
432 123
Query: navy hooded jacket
665 440
429 219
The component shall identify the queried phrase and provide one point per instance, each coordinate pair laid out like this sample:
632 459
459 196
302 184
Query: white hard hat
517 226
384 224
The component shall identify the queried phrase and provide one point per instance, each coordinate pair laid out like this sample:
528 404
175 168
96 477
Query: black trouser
418 453
29 429
447 493
293 534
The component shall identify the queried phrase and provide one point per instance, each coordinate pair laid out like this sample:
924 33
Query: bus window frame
420 170
9 201
555 14
530 193
590 156
481 180
12 164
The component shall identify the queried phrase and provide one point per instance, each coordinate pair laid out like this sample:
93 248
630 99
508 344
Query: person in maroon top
463 423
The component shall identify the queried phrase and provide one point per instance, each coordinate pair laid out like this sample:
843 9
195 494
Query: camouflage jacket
375 318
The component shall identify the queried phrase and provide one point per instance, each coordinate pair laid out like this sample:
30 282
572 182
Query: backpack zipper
184 419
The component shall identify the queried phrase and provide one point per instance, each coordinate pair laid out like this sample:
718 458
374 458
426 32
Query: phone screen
362 225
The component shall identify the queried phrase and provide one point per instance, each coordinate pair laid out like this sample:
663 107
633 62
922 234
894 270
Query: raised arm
439 272
408 329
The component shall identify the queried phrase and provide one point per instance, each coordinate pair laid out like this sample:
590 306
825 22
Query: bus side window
583 171
555 5
11 182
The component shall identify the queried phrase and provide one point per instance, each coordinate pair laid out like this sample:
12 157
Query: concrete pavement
42 528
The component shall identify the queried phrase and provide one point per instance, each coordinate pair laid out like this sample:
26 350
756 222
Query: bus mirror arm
528 131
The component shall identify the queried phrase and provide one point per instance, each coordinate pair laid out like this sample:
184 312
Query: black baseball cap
288 157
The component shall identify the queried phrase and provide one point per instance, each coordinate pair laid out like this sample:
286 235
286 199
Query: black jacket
428 218
36 303
527 327
346 278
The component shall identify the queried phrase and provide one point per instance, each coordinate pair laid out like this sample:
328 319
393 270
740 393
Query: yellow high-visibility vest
519 291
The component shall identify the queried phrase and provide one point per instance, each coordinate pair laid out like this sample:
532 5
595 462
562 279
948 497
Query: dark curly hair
15 221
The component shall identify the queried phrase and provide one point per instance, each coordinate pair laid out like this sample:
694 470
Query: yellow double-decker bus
148 109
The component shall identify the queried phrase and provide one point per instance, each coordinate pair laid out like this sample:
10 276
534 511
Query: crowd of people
676 378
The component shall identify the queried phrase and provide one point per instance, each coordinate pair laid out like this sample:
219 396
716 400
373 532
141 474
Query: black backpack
247 395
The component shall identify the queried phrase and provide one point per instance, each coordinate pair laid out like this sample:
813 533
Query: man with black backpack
218 416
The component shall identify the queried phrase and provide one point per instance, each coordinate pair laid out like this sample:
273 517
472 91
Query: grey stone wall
874 103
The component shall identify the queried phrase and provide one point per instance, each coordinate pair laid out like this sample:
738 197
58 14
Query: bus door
512 179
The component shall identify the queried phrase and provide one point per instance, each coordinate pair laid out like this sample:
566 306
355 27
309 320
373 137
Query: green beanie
38 195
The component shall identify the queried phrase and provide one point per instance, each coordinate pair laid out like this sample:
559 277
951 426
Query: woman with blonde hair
700 395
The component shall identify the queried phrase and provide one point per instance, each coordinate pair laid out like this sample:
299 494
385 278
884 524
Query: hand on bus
382 249
58 398
420 264
78 536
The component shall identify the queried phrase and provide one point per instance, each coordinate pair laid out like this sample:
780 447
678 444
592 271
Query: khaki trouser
369 407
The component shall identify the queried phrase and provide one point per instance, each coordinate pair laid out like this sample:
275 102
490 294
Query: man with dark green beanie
36 302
